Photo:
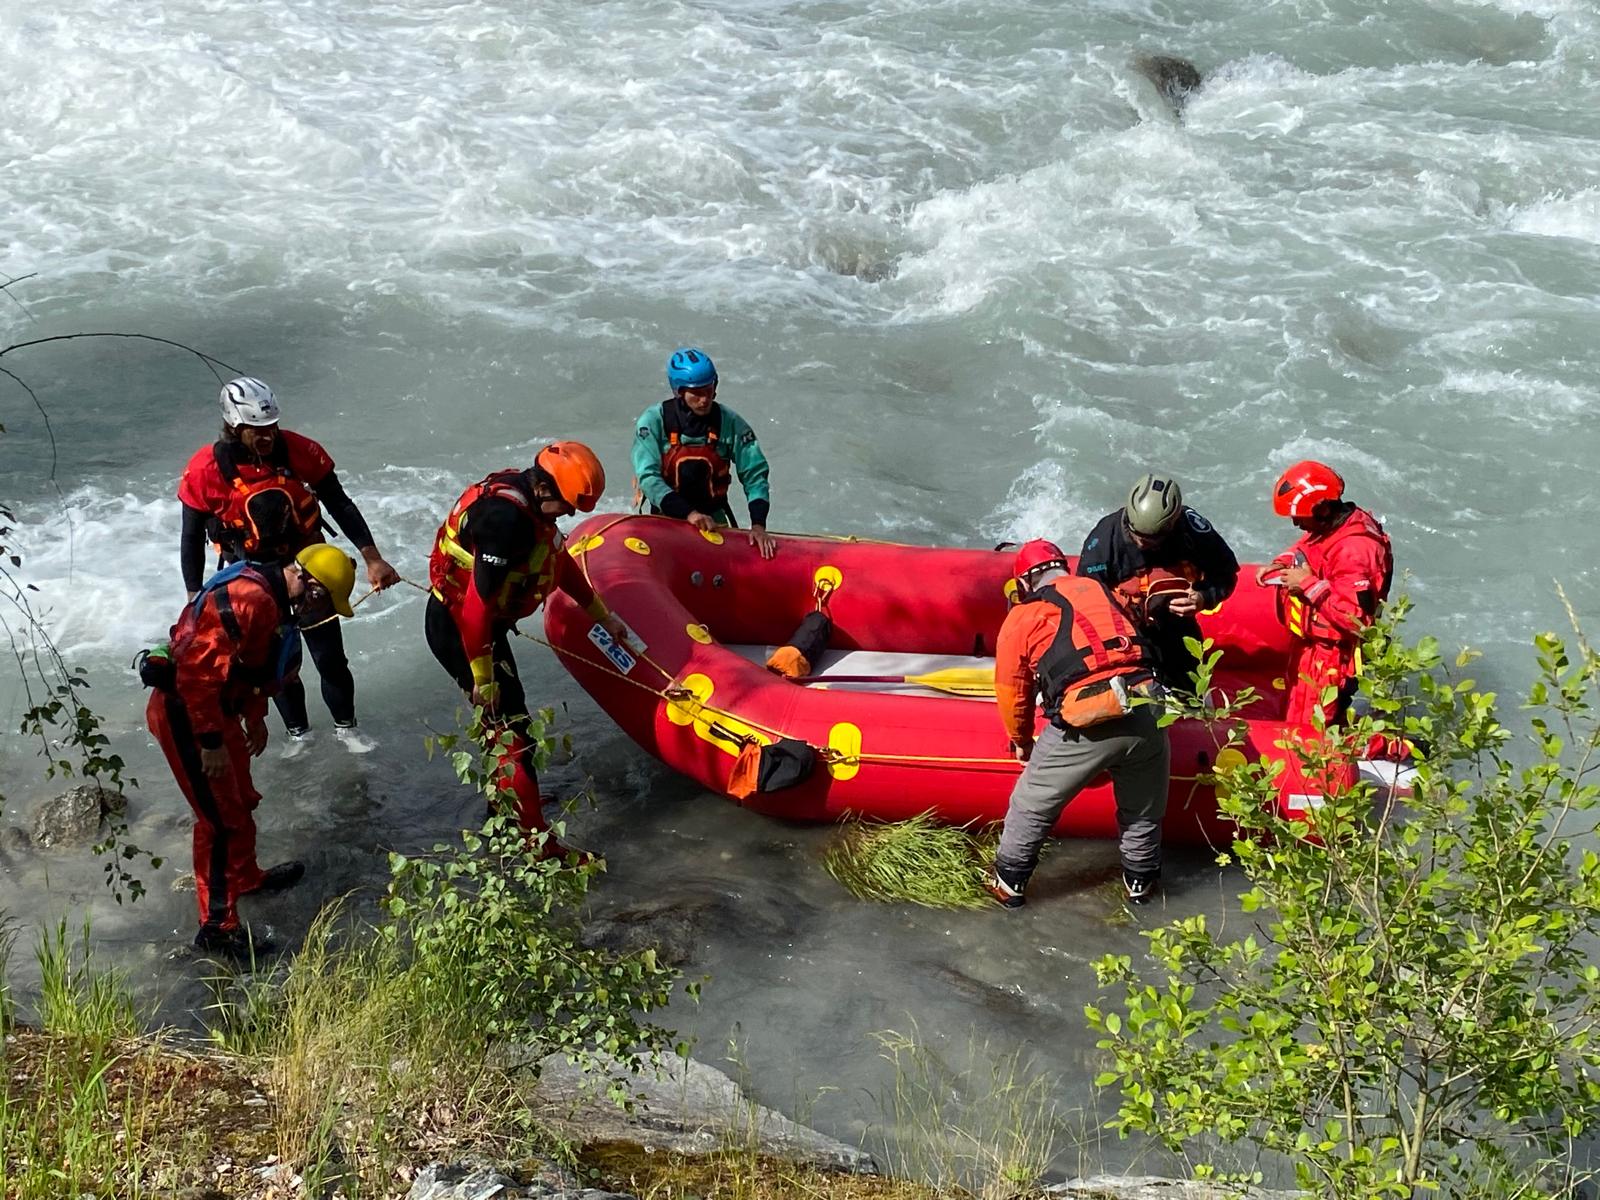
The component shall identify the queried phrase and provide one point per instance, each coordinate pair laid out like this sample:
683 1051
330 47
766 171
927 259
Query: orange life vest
450 564
1095 643
717 470
269 517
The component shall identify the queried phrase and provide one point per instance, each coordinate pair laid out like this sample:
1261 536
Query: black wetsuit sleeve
192 548
1219 568
1094 560
758 512
501 535
332 496
674 505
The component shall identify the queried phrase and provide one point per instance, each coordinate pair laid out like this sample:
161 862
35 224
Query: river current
961 267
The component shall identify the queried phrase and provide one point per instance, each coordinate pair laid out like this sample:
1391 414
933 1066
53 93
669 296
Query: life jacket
1095 643
713 474
284 654
450 564
269 517
1307 623
1136 592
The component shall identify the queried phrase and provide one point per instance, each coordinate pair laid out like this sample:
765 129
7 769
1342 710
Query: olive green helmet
1154 505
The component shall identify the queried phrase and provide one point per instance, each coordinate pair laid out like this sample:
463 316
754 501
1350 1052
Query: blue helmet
690 368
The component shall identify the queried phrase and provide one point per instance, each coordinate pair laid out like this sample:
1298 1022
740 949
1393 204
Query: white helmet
248 401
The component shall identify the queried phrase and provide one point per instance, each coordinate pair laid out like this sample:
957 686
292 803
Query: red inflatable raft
708 610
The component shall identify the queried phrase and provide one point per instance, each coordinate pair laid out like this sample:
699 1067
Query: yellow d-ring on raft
828 579
1010 589
637 545
1211 612
723 730
583 545
712 536
699 633
846 739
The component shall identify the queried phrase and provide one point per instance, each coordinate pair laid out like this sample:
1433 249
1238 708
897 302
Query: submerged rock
1150 1187
74 818
1175 78
689 1108
14 838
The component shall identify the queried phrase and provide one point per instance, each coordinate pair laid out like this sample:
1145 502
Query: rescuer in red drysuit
1333 580
234 646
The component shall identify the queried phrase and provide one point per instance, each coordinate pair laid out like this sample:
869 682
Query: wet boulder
74 818
686 1107
465 1181
1175 78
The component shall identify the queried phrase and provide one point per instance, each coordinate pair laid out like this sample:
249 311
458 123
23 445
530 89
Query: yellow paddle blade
959 681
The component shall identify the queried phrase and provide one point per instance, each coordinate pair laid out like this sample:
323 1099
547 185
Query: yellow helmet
334 570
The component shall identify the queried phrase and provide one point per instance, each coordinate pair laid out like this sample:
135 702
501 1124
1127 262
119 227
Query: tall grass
991 1128
76 998
8 1002
365 1064
918 861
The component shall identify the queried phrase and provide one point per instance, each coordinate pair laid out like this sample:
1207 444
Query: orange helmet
575 471
1304 486
1031 556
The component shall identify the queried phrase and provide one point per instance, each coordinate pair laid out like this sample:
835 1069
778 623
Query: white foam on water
1576 217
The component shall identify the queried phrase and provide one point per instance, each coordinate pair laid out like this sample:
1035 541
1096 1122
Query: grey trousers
1135 753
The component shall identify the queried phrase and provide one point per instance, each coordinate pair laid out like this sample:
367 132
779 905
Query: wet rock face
74 818
688 1108
458 1181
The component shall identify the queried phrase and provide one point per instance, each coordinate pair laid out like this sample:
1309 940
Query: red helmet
1031 556
1304 486
575 471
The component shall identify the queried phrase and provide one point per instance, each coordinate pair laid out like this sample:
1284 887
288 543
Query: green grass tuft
919 861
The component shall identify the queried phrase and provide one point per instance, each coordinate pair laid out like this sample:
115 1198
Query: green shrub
1413 1007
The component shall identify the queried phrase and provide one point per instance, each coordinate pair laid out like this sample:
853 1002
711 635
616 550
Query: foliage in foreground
1414 1007
919 861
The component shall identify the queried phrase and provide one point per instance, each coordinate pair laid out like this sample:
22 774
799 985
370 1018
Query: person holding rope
495 559
687 449
258 494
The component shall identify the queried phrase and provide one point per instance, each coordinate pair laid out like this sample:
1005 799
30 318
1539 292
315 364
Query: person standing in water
687 449
236 643
257 493
495 559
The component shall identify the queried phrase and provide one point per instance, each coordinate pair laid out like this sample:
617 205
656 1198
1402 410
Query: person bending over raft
686 451
1153 541
495 559
236 643
1070 641
258 493
1333 581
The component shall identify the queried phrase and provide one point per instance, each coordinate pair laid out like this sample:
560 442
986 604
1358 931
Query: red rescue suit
1352 566
226 649
528 567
